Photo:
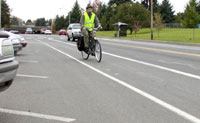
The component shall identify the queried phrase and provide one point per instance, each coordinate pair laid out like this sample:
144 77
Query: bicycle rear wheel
98 51
85 55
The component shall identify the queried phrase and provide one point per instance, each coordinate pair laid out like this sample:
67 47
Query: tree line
135 14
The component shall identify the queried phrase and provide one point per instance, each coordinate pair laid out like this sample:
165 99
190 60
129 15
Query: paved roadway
136 82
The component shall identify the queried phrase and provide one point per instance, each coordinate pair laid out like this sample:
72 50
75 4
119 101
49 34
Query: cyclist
88 21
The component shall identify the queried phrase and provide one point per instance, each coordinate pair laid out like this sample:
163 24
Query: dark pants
88 34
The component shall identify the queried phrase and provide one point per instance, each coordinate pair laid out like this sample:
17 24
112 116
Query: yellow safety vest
89 22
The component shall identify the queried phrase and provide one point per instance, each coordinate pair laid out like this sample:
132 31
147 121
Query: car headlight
7 48
15 41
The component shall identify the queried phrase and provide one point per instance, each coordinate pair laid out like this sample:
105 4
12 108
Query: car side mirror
70 28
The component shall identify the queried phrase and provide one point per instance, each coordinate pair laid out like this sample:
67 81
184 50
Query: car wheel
68 38
6 86
73 39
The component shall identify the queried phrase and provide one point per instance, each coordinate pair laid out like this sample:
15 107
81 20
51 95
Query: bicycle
95 50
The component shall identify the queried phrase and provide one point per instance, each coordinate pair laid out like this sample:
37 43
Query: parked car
42 31
62 32
73 31
16 41
29 31
14 31
48 32
23 41
8 64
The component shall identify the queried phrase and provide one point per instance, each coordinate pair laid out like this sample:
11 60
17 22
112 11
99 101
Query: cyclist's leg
92 40
86 37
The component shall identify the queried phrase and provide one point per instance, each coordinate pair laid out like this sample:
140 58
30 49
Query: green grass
166 34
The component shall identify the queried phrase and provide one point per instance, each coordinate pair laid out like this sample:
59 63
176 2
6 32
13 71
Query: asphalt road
136 82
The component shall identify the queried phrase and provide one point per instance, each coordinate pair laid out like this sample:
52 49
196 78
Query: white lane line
28 61
144 63
178 111
36 115
152 43
62 42
32 76
155 66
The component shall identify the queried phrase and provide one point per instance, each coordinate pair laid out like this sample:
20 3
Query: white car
8 64
74 31
29 31
16 40
48 32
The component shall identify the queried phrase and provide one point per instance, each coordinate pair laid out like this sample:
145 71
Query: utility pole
69 17
151 19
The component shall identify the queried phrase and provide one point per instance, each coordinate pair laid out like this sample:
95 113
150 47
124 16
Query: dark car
8 64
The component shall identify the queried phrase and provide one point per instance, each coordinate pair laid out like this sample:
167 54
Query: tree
117 2
179 17
5 14
40 22
192 18
166 10
136 15
53 28
29 22
101 12
147 5
139 15
14 21
198 7
76 13
158 22
50 21
103 22
60 22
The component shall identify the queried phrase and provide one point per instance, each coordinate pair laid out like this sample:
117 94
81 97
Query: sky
33 9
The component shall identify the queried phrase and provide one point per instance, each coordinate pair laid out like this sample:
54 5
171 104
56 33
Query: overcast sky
33 9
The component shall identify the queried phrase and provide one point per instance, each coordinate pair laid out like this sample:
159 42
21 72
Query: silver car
8 64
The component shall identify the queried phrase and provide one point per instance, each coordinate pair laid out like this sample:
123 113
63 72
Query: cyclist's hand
100 27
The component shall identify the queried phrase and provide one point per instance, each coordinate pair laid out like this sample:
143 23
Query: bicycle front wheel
98 51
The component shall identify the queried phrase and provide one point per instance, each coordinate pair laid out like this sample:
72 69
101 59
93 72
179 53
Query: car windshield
76 27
